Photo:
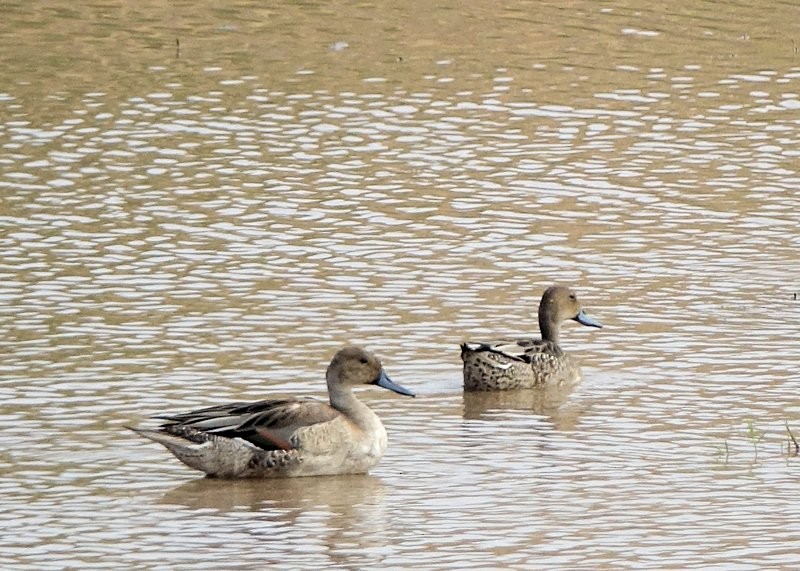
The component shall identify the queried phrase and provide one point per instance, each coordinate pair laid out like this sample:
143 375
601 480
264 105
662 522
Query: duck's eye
363 360
572 296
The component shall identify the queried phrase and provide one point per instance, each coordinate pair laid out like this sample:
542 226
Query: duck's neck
343 400
548 326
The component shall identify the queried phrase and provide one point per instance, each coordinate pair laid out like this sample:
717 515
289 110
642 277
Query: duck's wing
268 424
516 349
513 349
223 413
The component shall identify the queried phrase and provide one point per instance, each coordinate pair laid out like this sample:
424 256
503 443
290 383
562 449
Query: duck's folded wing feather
268 424
510 348
524 350
224 412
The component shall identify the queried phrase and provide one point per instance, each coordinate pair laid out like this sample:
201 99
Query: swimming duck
526 363
287 437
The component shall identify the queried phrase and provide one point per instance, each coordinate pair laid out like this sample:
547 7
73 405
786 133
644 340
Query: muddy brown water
202 204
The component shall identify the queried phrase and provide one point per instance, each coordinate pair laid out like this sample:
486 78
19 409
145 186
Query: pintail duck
526 363
289 437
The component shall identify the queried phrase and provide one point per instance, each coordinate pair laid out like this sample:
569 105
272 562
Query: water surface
202 204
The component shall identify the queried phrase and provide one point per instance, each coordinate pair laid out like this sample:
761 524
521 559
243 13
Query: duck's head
353 366
558 304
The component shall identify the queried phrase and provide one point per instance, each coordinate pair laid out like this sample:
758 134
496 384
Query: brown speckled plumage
510 364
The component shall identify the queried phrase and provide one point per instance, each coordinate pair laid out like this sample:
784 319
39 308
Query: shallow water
209 220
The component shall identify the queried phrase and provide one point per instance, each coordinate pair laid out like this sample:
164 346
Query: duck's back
516 364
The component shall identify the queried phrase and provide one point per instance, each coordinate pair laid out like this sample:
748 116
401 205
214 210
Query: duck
289 437
509 364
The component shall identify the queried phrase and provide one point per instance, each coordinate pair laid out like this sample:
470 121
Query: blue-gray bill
387 383
584 319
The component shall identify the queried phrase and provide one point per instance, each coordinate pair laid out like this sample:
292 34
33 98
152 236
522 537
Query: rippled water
188 223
